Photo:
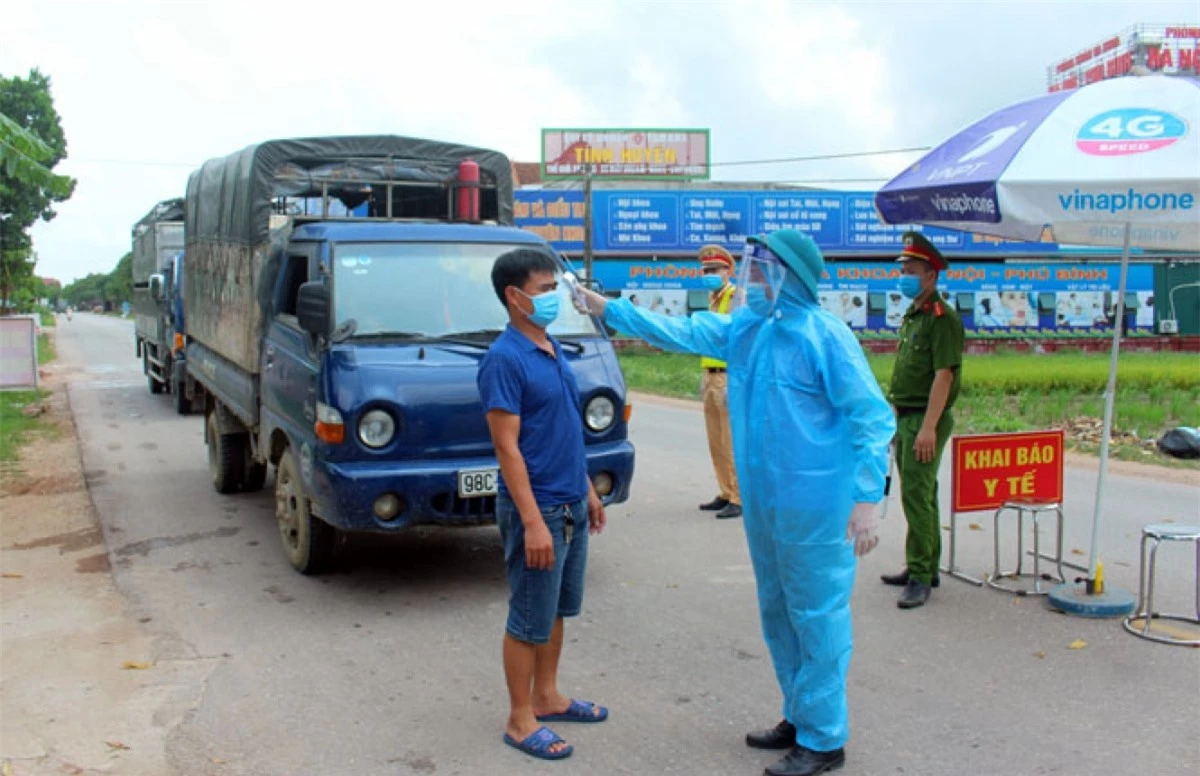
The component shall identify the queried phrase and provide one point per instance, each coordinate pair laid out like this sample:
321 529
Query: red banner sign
1174 50
990 469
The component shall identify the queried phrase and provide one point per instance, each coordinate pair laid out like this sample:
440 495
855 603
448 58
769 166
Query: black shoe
901 579
806 762
731 510
782 736
915 594
715 504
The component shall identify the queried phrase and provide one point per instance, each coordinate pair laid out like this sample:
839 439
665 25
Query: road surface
391 665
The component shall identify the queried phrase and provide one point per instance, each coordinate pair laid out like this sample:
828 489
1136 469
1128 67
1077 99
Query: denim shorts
539 596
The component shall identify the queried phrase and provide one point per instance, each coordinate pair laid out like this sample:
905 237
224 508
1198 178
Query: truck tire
256 476
183 405
226 457
154 385
308 542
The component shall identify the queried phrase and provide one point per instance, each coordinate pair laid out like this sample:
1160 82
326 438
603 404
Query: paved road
392 666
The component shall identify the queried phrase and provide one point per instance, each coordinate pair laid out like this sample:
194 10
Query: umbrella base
1072 598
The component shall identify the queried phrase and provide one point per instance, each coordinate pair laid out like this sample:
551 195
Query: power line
823 157
133 162
831 180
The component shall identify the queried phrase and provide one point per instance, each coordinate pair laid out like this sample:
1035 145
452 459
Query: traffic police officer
925 383
717 265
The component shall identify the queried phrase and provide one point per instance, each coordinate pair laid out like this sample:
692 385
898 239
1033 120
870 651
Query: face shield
760 279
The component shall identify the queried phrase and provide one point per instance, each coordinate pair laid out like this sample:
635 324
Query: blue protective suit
811 430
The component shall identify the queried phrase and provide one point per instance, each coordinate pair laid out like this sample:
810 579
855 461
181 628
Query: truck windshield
429 289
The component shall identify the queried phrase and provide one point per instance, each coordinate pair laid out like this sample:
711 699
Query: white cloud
181 82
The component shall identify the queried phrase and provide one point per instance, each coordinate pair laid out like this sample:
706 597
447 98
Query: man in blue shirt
532 403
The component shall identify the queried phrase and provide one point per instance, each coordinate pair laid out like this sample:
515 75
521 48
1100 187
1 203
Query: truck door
289 357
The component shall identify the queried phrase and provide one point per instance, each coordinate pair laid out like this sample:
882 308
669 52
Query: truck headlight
376 428
599 413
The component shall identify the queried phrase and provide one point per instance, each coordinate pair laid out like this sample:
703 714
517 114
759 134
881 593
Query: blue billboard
1011 296
678 221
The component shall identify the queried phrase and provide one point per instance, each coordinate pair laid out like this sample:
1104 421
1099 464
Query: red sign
1173 50
990 469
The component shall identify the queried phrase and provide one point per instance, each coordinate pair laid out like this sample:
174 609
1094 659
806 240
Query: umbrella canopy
1113 163
1069 167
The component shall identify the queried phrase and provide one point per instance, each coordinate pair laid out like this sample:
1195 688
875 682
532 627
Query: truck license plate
474 483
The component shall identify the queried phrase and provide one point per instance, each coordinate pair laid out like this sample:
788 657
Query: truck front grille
449 506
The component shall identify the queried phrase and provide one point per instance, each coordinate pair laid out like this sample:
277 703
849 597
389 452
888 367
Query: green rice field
1014 391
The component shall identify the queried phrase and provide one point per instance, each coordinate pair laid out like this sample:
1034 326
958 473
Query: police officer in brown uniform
717 265
925 384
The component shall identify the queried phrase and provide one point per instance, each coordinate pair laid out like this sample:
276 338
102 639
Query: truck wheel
226 457
155 385
183 405
256 475
307 540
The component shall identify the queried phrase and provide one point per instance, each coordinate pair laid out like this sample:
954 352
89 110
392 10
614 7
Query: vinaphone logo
1129 131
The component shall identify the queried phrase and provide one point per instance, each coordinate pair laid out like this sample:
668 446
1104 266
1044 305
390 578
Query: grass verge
45 349
15 426
1018 392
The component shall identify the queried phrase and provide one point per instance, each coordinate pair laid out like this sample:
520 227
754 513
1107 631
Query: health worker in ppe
811 431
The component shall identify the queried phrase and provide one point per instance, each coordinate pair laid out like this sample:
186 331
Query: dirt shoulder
1073 459
80 690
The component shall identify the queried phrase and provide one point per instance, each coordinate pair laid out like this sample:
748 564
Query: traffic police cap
917 246
715 255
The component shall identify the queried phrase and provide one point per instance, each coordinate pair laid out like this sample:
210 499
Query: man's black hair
515 267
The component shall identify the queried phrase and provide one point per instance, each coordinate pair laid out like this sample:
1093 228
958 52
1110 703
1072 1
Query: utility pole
587 222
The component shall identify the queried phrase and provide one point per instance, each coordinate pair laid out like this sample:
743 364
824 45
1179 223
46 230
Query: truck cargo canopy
232 199
167 210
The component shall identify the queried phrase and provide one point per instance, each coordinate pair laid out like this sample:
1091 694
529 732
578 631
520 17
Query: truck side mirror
312 307
156 286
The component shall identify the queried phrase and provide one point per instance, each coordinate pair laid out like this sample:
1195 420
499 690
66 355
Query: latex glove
863 529
589 302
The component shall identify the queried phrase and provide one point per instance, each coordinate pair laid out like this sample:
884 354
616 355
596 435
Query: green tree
50 291
87 291
32 143
119 284
109 289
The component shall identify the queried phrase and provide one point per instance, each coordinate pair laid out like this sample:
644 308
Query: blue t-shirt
518 377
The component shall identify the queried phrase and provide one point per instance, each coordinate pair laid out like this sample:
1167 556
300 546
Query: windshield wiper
388 335
493 333
469 343
464 338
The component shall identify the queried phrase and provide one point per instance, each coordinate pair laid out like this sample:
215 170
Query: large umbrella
1113 163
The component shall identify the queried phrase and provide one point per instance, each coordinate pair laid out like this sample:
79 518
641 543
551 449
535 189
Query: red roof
525 173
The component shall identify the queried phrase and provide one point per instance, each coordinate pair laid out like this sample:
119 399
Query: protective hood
802 256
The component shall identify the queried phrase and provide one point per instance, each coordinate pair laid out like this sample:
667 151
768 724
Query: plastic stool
1154 535
1036 509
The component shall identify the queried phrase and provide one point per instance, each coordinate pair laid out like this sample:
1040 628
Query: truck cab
411 311
158 241
361 389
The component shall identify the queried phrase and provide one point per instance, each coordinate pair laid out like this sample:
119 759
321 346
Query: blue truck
339 300
158 302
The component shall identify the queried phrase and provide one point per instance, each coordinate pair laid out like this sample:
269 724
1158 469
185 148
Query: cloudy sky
147 91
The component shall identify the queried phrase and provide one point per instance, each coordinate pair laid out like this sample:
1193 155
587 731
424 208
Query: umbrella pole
1109 398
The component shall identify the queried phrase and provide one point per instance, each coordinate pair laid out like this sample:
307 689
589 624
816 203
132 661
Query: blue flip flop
538 744
578 711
